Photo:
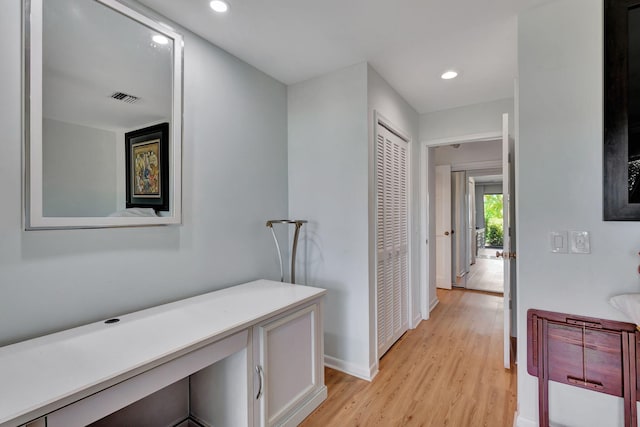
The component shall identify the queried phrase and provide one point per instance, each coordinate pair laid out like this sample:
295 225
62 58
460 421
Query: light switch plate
558 242
579 242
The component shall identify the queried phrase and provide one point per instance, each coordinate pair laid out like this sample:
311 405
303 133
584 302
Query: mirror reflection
104 76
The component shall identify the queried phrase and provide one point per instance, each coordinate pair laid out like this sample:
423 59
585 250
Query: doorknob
506 255
446 233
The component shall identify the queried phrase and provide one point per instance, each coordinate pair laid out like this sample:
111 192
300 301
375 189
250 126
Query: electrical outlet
580 242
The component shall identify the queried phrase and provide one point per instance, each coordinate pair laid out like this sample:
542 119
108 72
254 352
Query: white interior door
392 238
443 226
459 228
507 211
471 222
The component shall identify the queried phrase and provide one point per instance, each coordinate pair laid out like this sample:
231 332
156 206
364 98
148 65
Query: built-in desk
250 338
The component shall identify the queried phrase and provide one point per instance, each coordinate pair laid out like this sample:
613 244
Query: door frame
379 119
427 208
508 221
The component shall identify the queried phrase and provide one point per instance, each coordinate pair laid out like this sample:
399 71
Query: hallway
487 274
447 371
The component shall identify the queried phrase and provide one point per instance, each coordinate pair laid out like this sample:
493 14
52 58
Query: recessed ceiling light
448 75
219 6
160 39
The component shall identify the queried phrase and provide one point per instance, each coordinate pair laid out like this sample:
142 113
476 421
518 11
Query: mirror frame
615 197
32 126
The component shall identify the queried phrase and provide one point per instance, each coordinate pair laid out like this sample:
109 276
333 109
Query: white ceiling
409 42
488 179
90 52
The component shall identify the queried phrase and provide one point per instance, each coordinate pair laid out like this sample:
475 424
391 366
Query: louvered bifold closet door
391 237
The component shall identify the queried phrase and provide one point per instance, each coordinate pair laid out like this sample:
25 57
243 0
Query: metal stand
298 223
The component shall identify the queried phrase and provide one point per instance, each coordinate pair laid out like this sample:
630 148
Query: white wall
480 151
490 188
234 178
79 170
559 178
468 120
479 195
331 134
328 186
384 100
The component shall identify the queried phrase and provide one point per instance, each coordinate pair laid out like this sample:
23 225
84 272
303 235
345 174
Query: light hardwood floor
486 275
446 372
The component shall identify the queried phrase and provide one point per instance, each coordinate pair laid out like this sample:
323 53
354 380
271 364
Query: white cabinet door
392 237
288 355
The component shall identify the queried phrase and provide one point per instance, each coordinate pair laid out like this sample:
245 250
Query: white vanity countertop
43 374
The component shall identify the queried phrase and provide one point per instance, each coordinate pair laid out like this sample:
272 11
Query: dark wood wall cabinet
594 354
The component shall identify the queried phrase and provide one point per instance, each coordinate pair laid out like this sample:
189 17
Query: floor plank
487 272
446 372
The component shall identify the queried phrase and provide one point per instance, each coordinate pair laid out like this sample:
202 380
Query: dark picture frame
147 167
621 153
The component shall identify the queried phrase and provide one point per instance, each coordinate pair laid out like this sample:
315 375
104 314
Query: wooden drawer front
565 352
603 360
600 364
586 352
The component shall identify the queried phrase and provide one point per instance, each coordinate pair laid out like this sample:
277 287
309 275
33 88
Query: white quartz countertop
43 374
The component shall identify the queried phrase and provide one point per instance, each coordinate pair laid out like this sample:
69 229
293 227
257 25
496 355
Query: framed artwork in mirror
621 173
147 167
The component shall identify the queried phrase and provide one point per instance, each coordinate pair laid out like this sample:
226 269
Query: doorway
428 195
486 272
464 234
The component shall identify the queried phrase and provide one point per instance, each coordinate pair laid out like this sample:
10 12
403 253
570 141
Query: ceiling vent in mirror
125 97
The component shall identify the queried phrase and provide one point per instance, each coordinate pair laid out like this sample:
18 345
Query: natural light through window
493 220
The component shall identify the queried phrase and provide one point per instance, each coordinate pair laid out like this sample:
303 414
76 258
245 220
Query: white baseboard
524 422
351 368
433 304
416 321
373 370
306 408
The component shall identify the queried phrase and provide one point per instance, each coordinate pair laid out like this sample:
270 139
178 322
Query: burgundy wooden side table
585 352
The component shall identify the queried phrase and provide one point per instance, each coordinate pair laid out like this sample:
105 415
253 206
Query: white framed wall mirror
103 116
